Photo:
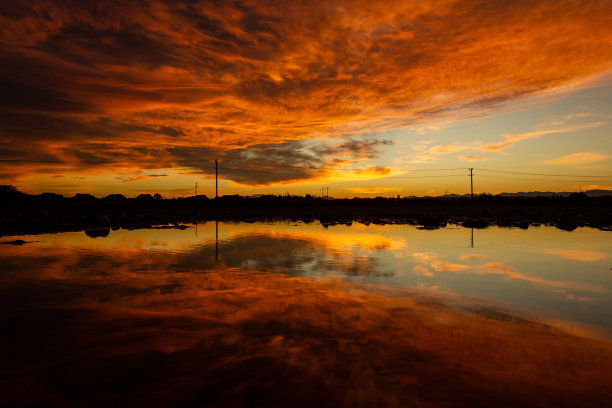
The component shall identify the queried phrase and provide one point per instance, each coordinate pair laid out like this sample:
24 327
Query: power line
545 180
68 165
543 174
112 162
418 177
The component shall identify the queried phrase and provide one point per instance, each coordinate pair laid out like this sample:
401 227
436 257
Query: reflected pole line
472 239
216 179
216 240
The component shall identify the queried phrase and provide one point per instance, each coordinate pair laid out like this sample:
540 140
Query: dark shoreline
26 214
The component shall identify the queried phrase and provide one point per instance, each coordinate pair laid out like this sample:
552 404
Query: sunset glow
143 96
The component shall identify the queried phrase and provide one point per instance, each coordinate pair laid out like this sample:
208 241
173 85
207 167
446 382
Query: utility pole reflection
472 239
216 240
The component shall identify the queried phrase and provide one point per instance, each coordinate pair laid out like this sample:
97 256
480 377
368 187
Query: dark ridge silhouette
51 197
83 197
144 197
24 213
115 197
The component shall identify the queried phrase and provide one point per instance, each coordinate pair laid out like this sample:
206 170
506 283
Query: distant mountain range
590 193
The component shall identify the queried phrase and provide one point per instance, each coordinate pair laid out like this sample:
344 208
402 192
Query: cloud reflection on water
232 336
152 317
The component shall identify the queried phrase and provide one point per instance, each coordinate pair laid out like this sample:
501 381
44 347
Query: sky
367 98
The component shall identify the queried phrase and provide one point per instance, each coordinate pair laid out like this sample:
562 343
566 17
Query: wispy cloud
470 158
446 149
511 273
577 158
429 154
511 140
577 254
471 257
139 177
447 266
431 260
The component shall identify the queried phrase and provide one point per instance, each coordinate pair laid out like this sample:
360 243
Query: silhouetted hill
599 193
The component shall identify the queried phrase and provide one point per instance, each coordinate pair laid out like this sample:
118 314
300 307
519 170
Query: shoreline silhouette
22 213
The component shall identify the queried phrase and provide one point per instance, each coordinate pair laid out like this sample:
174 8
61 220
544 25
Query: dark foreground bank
26 214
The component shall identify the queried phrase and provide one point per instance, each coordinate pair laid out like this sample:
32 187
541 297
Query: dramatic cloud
283 162
151 84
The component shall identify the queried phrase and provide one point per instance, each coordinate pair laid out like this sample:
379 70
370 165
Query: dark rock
436 222
98 233
475 223
566 223
16 242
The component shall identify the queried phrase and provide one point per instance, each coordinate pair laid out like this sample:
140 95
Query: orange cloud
451 148
593 187
511 140
511 273
471 257
447 266
470 158
577 158
160 85
138 177
577 254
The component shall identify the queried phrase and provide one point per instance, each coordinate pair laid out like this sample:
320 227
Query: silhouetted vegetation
48 212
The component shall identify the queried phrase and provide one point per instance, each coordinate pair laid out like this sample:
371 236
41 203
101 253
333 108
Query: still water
248 314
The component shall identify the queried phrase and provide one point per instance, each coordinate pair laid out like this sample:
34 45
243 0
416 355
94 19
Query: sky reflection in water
540 271
362 314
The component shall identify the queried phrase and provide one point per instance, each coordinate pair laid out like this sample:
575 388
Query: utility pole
196 189
472 182
323 191
445 193
216 180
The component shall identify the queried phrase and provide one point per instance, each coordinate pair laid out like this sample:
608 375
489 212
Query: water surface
242 314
